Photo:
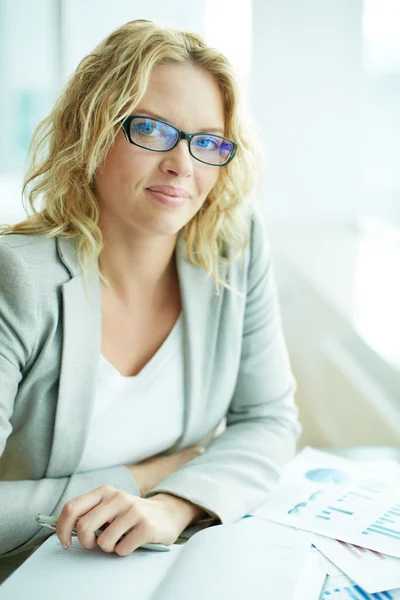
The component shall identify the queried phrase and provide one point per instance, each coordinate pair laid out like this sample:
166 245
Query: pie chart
327 476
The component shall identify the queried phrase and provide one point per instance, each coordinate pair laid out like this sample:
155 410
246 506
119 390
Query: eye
206 143
152 129
225 149
146 128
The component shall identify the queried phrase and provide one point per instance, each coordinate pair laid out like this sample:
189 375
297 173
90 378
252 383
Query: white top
134 418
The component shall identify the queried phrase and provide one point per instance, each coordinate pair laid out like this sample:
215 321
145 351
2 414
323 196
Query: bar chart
360 553
387 525
347 506
340 587
359 505
355 501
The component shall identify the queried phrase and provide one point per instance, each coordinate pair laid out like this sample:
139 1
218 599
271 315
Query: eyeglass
160 136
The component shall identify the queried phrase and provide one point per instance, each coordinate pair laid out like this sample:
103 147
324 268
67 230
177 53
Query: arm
151 472
185 512
243 463
21 501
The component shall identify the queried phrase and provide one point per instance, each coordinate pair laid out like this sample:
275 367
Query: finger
96 519
120 527
137 536
197 450
74 509
191 452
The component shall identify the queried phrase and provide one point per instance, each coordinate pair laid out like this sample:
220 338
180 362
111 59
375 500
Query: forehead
186 96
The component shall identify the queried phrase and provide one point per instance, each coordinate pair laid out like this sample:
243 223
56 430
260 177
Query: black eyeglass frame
182 135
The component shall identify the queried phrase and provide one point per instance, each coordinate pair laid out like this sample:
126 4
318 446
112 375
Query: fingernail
198 450
65 547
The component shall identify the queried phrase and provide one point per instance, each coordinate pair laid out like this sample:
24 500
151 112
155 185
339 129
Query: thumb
197 450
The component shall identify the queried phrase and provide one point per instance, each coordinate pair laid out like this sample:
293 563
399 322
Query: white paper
252 558
338 586
358 503
52 573
326 565
312 578
341 587
373 571
248 559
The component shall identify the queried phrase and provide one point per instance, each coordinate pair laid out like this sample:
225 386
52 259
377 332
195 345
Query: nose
178 161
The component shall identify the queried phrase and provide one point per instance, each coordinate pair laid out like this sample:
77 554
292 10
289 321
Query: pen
51 522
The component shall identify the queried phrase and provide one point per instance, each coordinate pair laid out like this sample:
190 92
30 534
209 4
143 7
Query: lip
166 199
169 190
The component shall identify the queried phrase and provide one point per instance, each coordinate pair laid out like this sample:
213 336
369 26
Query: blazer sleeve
242 464
21 501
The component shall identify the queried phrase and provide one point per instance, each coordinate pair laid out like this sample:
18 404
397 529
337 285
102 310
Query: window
381 102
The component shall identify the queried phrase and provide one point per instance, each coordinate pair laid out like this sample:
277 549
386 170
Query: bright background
322 83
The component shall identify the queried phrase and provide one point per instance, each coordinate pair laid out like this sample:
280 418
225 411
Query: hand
151 472
160 519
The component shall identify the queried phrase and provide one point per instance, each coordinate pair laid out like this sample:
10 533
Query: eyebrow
203 129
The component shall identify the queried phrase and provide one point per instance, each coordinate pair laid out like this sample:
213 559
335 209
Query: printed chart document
373 571
358 503
341 587
312 578
251 558
338 586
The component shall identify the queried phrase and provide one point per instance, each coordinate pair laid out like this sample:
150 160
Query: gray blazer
236 366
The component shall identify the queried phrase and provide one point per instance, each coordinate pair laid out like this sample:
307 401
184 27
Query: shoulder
19 245
18 302
258 247
242 272
37 254
31 276
28 264
256 257
15 275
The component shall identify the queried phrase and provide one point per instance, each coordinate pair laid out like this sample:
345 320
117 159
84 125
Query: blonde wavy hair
69 145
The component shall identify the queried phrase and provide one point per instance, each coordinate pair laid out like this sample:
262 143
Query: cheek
209 179
125 170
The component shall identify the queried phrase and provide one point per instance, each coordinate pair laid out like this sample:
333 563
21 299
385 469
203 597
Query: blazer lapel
201 314
81 314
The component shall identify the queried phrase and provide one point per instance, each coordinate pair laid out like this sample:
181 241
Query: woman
118 354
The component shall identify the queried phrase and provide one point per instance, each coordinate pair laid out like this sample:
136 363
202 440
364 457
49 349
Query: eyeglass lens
156 135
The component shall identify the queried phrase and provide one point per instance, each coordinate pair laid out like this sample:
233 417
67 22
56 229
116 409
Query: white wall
87 23
31 72
27 69
306 90
306 87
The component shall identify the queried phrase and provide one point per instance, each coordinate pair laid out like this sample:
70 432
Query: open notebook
251 558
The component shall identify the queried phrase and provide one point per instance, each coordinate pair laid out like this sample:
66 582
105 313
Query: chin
166 227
